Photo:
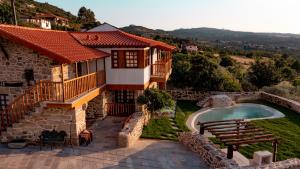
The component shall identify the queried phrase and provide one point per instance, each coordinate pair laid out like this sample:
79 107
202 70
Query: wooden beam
247 138
227 131
229 126
220 121
250 141
62 81
275 147
236 132
87 67
240 135
76 67
224 123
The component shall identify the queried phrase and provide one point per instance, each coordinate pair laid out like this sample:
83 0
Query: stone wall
290 104
190 95
208 151
48 119
21 58
96 107
133 129
290 164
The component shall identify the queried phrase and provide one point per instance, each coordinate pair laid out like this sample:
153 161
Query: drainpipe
13 8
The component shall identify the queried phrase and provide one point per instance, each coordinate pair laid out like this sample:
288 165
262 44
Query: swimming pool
248 111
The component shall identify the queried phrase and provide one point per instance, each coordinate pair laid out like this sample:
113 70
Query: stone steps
23 128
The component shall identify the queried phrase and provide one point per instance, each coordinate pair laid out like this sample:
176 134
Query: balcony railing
49 91
161 68
119 109
80 85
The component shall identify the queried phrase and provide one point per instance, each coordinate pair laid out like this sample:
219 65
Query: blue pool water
239 111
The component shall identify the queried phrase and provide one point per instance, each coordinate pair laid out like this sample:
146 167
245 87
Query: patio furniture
52 138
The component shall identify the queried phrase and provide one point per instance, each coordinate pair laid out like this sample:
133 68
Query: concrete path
104 153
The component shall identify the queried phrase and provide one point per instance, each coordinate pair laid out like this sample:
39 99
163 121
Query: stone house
58 80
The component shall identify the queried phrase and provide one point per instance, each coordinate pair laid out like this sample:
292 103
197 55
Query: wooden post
230 151
13 9
275 146
87 67
62 81
201 129
76 67
97 75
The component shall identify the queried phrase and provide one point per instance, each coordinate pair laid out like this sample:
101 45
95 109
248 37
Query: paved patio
104 153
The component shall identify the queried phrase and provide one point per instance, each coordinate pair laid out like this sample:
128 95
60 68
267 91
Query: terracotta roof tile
58 45
117 39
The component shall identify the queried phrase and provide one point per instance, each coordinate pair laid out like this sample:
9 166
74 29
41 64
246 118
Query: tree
264 74
155 99
296 66
5 13
288 73
87 18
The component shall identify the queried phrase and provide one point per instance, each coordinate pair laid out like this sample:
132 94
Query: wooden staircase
27 103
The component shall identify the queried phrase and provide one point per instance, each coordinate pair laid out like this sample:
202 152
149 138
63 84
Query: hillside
227 39
31 7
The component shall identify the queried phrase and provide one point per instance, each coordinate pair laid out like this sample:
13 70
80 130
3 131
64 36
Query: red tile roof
117 39
58 45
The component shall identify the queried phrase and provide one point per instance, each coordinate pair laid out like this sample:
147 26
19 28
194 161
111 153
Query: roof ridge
29 28
126 34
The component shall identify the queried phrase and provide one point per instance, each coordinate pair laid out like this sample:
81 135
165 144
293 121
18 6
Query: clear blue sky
244 15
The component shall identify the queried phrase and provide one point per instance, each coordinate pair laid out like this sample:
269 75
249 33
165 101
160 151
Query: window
3 101
115 59
124 96
131 58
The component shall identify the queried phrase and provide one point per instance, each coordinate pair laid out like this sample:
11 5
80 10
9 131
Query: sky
281 16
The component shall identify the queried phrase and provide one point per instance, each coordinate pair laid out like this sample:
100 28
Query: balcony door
124 96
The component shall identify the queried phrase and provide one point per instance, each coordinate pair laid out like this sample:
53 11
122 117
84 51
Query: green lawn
162 128
287 128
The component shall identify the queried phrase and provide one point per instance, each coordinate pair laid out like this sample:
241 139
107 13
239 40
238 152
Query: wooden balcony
161 70
119 109
56 92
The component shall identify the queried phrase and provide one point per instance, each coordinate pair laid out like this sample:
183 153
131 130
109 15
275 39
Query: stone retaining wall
208 151
293 163
190 95
48 119
133 129
290 104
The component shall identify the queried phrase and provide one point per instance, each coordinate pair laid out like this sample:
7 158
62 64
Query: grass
159 129
287 128
162 128
183 110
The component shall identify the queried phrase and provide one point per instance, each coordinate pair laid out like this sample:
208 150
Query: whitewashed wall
125 76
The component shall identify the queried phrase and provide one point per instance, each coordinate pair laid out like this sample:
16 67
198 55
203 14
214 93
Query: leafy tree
296 66
5 13
87 18
264 74
155 99
181 68
207 75
288 73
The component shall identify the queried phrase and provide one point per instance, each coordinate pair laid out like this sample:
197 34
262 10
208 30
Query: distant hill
289 43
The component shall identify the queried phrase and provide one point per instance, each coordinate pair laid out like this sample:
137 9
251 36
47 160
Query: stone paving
103 153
